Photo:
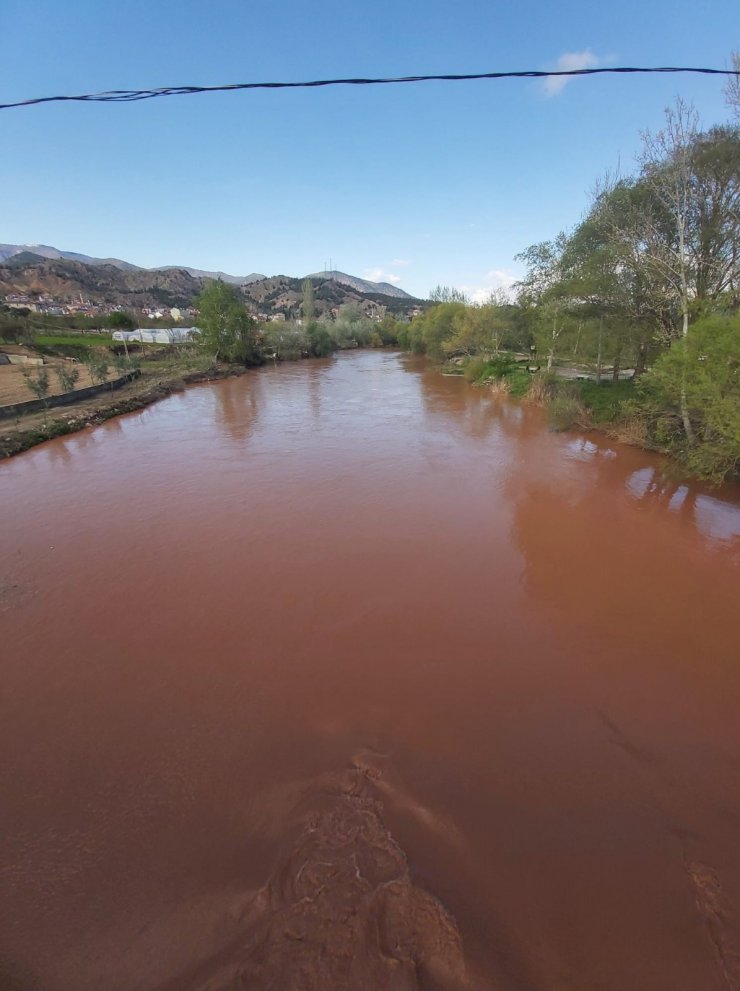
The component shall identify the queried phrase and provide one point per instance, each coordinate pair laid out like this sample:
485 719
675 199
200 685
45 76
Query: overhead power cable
132 95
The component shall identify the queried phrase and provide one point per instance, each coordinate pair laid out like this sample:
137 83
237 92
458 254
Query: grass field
73 340
604 400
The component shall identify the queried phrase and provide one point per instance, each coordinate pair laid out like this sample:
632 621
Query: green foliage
479 330
519 382
227 330
124 363
447 294
38 382
309 304
564 412
474 369
432 330
388 330
68 374
286 340
97 366
72 346
320 342
14 328
120 320
704 368
607 402
501 369
352 328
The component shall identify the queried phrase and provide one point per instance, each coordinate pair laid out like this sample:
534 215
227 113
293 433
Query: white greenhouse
168 335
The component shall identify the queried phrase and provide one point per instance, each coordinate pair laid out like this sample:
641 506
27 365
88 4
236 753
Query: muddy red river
347 675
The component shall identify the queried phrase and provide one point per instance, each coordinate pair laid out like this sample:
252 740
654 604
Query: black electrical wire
131 95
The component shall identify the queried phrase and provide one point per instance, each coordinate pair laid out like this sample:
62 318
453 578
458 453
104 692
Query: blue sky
420 184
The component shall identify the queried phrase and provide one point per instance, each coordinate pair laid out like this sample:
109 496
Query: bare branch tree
732 89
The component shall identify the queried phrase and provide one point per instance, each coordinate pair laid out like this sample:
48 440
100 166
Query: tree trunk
598 355
685 418
641 360
551 352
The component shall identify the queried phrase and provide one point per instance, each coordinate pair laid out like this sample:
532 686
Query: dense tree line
648 281
230 333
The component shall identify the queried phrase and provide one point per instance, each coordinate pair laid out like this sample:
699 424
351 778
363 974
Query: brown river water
347 675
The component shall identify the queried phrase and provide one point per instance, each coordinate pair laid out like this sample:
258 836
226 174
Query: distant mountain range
10 251
29 253
362 285
70 277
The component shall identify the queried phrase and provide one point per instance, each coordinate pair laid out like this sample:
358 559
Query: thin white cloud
476 294
400 263
496 280
567 62
379 275
500 278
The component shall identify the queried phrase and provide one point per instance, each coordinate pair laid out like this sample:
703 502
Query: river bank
151 386
624 410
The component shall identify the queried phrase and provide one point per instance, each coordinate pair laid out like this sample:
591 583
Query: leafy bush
519 382
606 401
97 366
38 383
68 376
565 412
320 342
703 370
475 369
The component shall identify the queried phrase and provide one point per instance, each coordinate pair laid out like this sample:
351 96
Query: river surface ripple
344 674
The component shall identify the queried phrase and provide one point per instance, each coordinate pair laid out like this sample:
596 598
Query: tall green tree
121 320
227 330
309 303
709 394
478 330
545 292
447 294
